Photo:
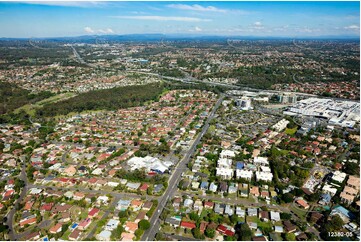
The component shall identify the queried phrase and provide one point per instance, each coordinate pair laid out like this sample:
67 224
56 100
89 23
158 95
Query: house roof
131 226
28 221
209 204
32 236
189 225
289 226
203 225
303 203
147 205
46 207
136 203
28 205
225 230
264 214
144 187
55 228
85 222
75 234
127 236
93 212
141 215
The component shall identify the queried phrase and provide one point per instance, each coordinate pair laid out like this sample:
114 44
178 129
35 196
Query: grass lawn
277 236
253 219
84 214
291 131
278 223
133 215
204 213
298 211
66 235
31 108
232 196
168 229
266 225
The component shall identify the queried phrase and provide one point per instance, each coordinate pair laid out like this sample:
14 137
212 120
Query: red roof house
188 225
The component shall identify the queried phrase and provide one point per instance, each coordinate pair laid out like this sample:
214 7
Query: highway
176 177
80 59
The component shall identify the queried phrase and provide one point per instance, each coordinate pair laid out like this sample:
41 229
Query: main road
175 178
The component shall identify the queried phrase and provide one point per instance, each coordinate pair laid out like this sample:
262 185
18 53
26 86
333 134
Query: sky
277 19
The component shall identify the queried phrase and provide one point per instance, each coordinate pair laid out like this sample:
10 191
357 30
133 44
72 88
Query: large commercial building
149 163
337 112
287 98
244 103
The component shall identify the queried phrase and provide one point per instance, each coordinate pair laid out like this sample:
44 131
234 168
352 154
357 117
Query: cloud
89 30
164 18
154 8
197 7
257 26
196 29
106 31
352 27
101 31
306 30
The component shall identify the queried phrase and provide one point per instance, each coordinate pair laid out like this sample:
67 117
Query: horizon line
186 35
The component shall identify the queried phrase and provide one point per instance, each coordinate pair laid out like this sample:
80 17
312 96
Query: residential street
175 178
10 216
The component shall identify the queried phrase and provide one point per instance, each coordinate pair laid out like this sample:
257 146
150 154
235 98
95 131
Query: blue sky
288 19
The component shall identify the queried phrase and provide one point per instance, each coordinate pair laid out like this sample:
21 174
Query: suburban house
187 225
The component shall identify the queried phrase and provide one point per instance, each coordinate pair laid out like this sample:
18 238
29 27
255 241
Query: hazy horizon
255 19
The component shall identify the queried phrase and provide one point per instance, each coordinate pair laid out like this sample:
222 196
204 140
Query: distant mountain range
174 37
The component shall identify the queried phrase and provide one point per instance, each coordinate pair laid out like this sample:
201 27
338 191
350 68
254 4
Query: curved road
10 216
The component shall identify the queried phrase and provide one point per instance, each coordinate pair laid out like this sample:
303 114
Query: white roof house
213 187
265 168
227 154
102 199
245 174
97 171
224 163
275 216
133 185
104 235
35 191
327 188
224 173
149 163
339 176
188 202
240 212
112 224
261 161
113 184
69 194
264 176
278 229
55 166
